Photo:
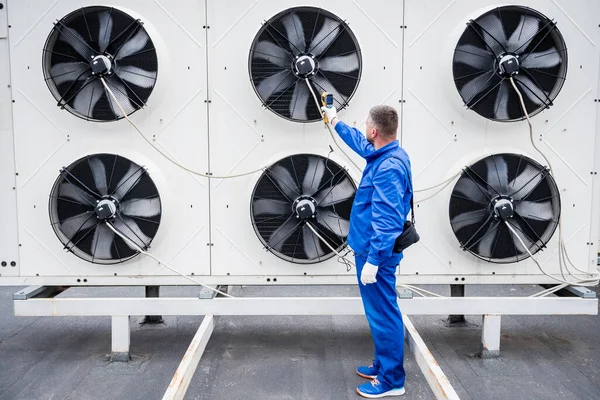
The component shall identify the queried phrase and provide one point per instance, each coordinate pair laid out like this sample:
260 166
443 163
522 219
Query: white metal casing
210 233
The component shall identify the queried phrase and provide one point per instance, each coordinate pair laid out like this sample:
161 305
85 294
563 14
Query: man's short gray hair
385 118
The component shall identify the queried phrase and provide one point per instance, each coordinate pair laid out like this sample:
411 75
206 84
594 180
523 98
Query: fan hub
305 208
106 209
101 65
305 66
503 208
508 65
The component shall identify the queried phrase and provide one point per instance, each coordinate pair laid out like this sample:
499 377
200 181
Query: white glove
330 112
369 274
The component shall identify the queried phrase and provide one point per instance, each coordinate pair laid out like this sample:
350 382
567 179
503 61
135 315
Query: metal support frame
40 301
121 338
64 306
183 376
456 319
152 292
490 336
439 383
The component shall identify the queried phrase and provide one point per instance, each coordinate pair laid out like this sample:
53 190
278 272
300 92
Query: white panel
457 137
244 136
9 250
175 119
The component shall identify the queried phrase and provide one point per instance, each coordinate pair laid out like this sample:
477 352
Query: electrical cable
563 256
582 282
109 90
328 126
135 246
414 288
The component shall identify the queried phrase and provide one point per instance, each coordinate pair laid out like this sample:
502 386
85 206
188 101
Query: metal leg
456 320
120 338
152 292
490 336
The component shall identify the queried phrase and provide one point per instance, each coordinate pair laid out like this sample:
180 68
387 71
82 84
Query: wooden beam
183 376
439 383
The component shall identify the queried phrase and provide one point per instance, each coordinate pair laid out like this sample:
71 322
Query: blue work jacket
382 201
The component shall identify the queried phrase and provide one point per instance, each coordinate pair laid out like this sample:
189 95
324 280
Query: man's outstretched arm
351 136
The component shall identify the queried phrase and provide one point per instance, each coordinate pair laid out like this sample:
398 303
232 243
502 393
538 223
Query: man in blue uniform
380 208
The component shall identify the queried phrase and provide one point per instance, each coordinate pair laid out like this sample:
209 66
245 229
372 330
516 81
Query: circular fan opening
510 41
296 191
504 188
301 43
94 42
100 189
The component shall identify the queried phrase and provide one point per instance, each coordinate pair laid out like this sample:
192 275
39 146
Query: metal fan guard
47 62
559 80
54 218
280 255
548 180
318 11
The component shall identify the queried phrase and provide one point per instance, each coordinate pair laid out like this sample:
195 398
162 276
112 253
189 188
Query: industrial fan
95 42
97 190
510 41
504 188
298 44
296 191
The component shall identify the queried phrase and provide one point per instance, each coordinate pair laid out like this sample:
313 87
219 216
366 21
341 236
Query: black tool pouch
409 235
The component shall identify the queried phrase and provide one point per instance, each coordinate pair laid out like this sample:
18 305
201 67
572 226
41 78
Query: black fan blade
468 218
278 238
299 102
146 208
81 222
88 97
285 182
525 182
497 173
471 190
130 229
102 242
105 30
77 42
344 64
137 76
333 223
273 53
312 244
475 57
275 83
516 225
543 59
329 196
501 104
295 33
134 45
476 86
99 175
271 207
532 90
124 100
69 72
527 29
129 180
484 248
325 37
493 33
326 86
70 191
539 211
313 176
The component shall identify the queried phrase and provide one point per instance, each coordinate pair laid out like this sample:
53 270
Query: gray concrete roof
289 357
